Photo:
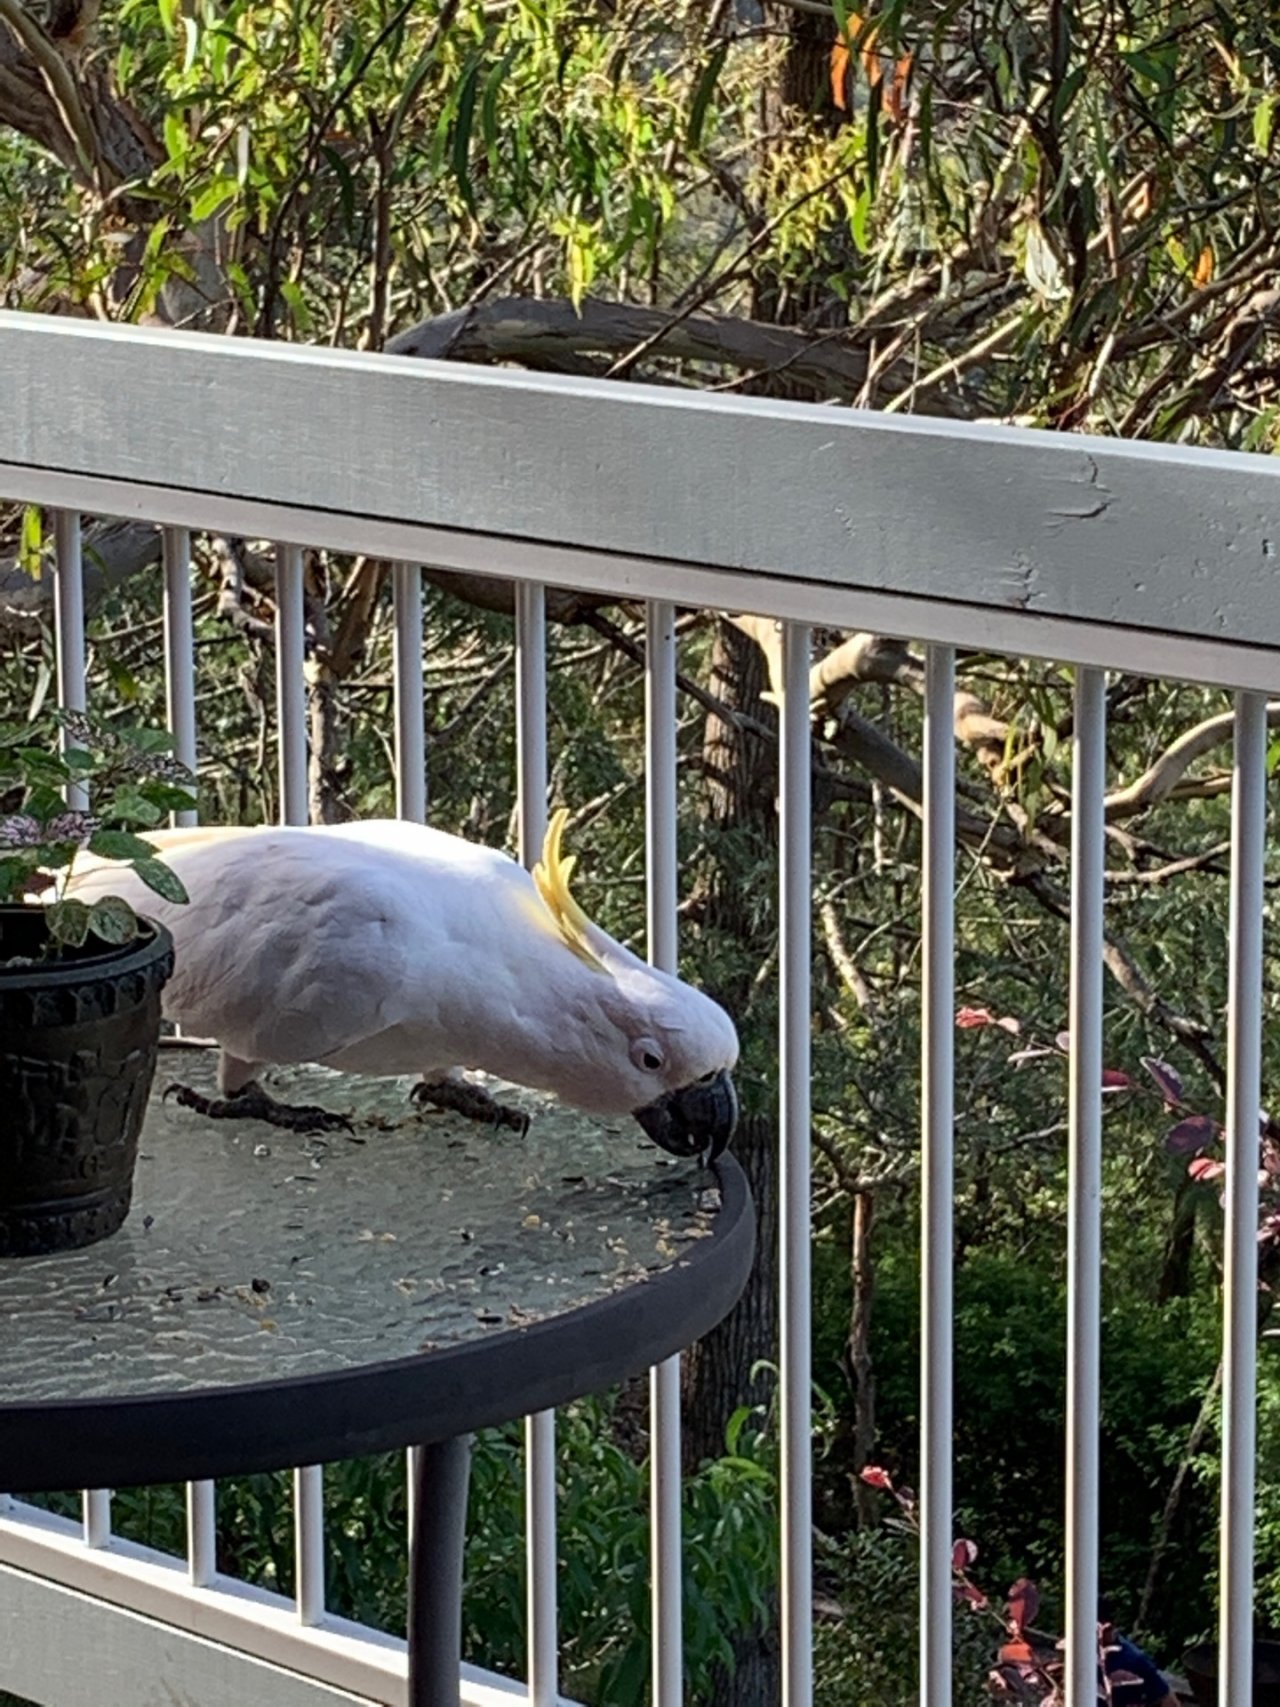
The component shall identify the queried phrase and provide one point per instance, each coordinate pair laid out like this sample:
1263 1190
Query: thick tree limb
1164 779
67 104
114 552
550 333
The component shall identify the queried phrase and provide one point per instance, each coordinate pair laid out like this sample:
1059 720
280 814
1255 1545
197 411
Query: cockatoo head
659 1048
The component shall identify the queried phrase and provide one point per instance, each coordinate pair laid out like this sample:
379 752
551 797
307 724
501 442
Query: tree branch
1161 780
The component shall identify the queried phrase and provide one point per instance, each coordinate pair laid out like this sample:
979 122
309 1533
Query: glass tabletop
256 1255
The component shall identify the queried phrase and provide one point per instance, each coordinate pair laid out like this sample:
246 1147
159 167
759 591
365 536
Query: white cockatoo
388 948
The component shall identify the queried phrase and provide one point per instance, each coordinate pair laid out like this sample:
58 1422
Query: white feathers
387 948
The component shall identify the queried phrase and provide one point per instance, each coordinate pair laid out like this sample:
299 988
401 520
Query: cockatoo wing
320 944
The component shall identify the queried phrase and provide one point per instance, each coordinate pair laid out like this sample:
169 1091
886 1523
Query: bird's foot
460 1096
252 1103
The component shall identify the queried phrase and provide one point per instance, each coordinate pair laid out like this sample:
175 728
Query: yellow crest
552 874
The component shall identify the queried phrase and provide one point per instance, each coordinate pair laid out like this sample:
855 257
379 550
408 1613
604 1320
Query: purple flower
21 831
70 827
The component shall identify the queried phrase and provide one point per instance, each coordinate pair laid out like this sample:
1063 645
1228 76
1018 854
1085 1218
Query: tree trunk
739 820
861 1367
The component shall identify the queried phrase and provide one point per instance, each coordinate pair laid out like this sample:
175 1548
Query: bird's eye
645 1053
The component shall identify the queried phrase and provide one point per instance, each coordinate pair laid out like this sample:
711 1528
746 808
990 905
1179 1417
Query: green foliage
134 784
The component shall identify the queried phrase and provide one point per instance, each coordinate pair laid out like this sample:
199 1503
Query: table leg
440 1477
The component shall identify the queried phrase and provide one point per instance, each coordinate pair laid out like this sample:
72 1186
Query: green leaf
193 43
212 197
461 152
858 219
149 740
68 922
44 802
113 919
168 797
1264 116
29 547
119 844
167 884
176 141
489 105
40 766
1067 91
16 871
292 293
703 93
134 808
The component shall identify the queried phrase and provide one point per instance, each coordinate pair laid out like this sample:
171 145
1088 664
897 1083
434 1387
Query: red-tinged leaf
969 1019
1016 1653
1114 1080
1204 1168
963 1554
1191 1135
1063 1041
1024 1602
1168 1081
972 1596
875 1477
1011 1025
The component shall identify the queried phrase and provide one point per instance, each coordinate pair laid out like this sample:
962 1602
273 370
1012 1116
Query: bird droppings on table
393 1246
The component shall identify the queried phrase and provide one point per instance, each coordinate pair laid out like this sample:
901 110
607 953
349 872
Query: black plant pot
78 1044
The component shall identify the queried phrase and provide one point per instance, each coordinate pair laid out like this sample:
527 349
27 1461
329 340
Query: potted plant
79 985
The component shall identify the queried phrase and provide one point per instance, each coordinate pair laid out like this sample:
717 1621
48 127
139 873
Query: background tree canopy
1062 214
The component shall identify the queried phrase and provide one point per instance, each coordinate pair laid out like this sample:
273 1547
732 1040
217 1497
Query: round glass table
278 1299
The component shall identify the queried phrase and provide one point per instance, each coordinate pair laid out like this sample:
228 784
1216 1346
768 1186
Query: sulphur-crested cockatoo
388 948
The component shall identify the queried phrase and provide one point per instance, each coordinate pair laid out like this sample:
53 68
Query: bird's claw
253 1103
473 1102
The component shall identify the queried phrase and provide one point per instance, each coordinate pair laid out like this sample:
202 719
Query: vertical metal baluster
202 1534
96 1506
411 753
69 649
291 711
540 1429
1240 1292
291 687
179 653
180 703
411 785
795 910
667 1565
937 1139
308 1542
1084 1203
69 643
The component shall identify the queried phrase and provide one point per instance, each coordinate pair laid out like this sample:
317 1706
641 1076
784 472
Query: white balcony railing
1152 560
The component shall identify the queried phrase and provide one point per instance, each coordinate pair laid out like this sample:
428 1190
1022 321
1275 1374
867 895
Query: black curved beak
698 1120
